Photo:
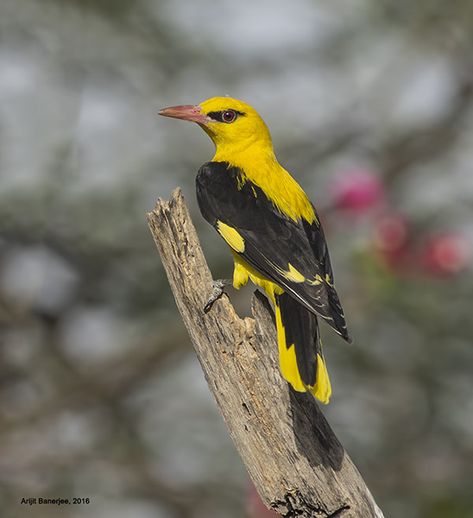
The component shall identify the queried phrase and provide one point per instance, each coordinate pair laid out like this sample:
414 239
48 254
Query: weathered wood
293 457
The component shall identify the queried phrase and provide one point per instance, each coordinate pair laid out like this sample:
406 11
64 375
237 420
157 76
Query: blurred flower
440 255
358 191
445 254
391 241
256 507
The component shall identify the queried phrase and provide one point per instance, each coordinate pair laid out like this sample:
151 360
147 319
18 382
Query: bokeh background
370 106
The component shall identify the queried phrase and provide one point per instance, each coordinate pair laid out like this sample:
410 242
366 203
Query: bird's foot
218 289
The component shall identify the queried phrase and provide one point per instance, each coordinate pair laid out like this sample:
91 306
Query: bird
273 232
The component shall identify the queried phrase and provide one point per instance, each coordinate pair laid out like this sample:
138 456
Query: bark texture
293 457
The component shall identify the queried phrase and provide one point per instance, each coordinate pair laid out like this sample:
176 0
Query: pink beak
187 112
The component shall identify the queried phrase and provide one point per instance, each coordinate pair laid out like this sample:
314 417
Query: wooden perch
293 457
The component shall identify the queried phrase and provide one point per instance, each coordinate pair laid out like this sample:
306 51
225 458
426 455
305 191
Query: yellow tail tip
322 389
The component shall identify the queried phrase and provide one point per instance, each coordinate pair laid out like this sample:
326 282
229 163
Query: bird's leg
218 289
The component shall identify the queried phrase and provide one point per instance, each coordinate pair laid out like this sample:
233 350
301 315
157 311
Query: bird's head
232 125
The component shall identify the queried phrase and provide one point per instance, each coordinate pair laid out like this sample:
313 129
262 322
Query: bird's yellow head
233 125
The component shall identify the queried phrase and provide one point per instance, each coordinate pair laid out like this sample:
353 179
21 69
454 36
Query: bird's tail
300 349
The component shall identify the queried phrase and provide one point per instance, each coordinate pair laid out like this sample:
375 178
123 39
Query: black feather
272 240
302 330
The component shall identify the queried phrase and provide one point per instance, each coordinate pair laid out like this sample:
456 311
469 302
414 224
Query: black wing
293 254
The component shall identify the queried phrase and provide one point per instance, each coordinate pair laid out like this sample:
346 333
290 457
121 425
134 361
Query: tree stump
295 460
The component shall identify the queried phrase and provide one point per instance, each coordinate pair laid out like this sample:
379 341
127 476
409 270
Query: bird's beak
187 112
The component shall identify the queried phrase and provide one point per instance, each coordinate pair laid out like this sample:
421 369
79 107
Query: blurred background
370 107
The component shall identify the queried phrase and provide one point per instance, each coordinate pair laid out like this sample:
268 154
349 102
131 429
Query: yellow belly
243 272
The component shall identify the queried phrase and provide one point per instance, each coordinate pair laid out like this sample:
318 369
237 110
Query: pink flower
358 191
445 254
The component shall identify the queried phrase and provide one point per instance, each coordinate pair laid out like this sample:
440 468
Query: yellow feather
322 389
231 236
293 274
287 356
262 168
243 271
317 280
240 275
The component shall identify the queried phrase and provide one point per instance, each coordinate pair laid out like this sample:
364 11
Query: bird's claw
218 289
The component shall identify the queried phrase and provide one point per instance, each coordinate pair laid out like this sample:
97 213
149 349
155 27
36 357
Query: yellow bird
273 232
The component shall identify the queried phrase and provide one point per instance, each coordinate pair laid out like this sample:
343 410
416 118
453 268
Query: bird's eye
228 116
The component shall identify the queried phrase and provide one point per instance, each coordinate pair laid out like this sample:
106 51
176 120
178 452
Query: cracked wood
292 455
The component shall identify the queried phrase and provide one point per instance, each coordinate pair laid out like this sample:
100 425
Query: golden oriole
273 232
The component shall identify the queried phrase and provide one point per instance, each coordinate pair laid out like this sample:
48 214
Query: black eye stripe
218 116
